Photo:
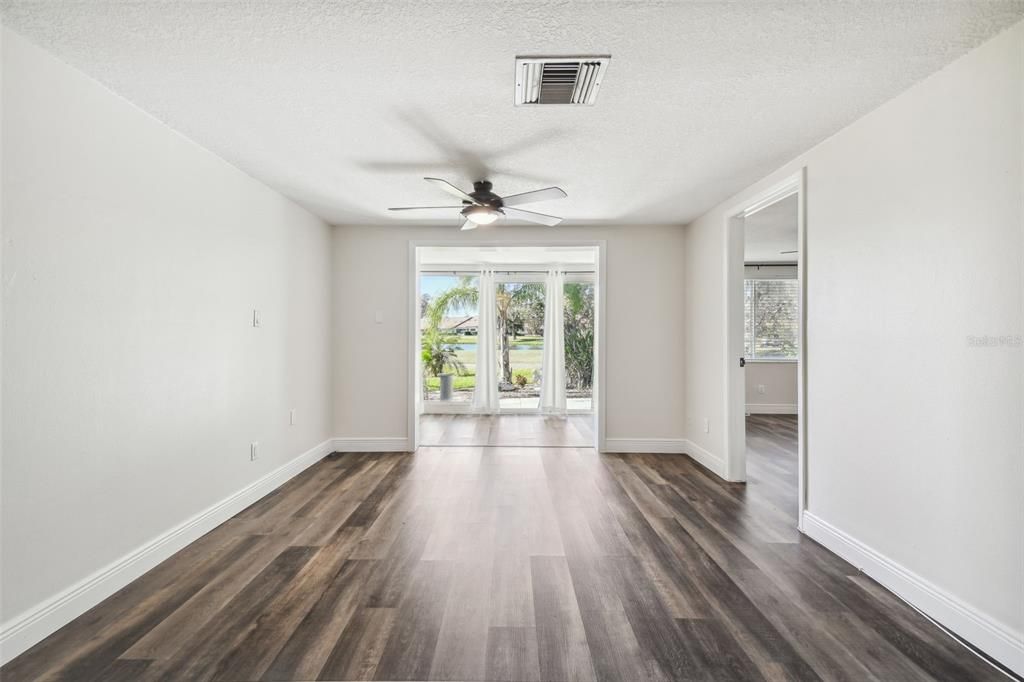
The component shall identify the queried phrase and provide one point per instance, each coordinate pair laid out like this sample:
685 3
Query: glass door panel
520 340
579 345
448 326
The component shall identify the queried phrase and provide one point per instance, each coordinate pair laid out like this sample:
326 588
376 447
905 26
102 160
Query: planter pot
446 386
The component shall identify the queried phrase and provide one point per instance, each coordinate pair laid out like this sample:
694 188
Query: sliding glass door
448 333
579 334
520 341
449 340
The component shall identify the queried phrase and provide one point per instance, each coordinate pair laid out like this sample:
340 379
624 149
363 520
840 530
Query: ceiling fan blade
545 194
530 216
425 208
451 189
468 225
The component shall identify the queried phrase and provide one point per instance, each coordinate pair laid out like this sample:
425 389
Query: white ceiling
771 231
507 255
345 106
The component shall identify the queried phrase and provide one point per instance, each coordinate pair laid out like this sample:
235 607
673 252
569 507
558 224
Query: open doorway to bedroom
767 368
506 345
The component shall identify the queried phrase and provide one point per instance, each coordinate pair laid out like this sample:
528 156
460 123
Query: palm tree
513 303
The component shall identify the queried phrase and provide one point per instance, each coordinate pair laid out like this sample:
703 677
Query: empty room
524 341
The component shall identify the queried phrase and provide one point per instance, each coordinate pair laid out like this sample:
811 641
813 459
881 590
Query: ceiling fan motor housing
483 194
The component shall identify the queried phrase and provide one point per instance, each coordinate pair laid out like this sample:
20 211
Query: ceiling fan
483 207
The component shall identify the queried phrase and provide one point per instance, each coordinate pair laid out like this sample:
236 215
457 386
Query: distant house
462 325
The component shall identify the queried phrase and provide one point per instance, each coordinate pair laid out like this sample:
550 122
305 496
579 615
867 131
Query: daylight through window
770 318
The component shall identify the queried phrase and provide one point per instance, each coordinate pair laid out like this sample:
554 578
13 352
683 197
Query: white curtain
552 377
485 397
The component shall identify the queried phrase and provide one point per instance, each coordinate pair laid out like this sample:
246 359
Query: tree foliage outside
516 306
438 356
579 336
771 318
519 310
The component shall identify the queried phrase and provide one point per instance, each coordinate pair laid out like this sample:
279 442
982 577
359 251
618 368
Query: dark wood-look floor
771 462
509 564
518 430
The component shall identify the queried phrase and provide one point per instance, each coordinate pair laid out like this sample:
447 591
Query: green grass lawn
518 341
525 361
462 383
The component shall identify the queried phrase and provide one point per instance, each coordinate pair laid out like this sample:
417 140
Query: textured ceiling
770 231
345 106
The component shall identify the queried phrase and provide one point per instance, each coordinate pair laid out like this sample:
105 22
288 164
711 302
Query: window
579 342
520 312
770 319
448 308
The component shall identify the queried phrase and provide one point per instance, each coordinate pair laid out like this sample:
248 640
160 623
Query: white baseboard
668 445
439 407
707 459
642 445
994 638
771 408
32 626
395 444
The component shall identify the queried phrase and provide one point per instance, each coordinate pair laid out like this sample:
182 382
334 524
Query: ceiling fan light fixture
481 215
483 207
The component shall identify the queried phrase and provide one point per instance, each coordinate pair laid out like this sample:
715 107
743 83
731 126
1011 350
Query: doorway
491 322
766 369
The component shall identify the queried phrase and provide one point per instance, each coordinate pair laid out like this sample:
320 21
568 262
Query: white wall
133 381
915 242
779 381
644 343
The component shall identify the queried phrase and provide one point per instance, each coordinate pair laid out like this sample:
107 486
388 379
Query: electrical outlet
254 451
291 417
707 425
761 389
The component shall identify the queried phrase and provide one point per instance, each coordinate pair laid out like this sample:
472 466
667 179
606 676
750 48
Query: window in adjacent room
770 319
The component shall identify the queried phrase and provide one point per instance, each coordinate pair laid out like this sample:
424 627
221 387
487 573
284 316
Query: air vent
559 80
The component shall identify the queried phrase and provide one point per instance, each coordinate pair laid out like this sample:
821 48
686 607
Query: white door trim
735 397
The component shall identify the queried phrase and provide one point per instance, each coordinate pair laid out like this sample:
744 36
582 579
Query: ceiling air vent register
559 80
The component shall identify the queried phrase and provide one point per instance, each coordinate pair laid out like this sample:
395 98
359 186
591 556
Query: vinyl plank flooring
212 643
562 650
517 430
461 651
409 652
307 648
358 651
521 560
512 655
